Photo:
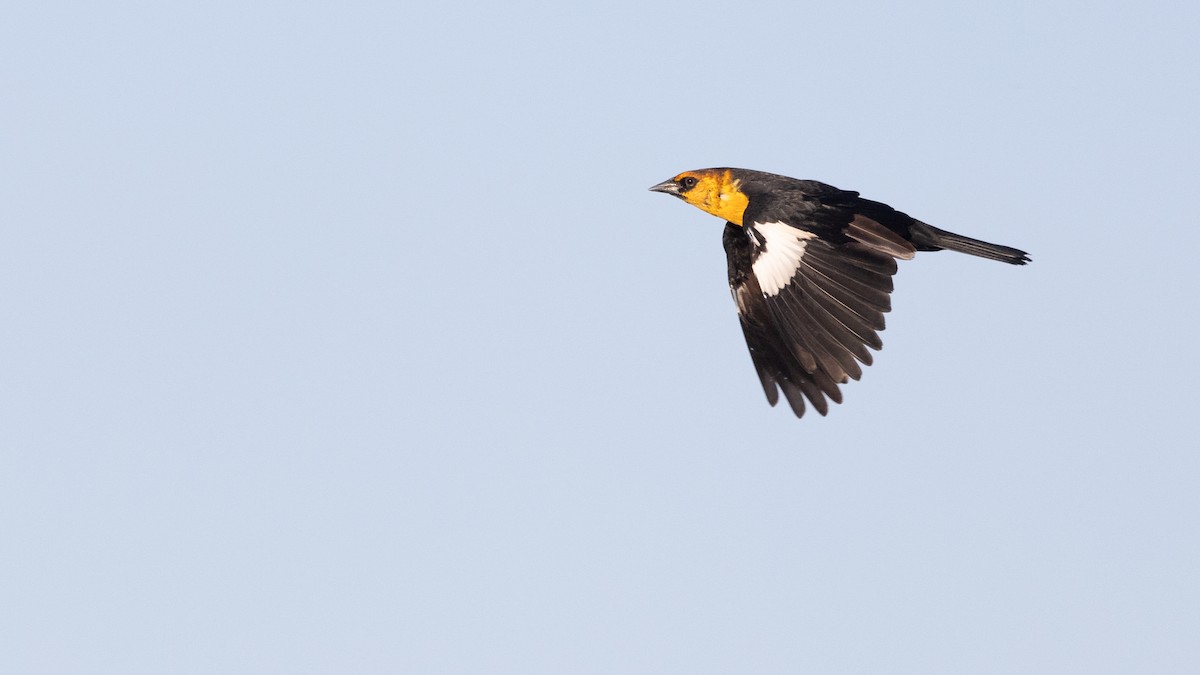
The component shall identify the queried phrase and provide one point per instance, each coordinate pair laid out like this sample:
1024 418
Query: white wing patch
782 247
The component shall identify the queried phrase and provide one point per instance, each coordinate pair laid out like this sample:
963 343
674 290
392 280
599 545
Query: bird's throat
719 193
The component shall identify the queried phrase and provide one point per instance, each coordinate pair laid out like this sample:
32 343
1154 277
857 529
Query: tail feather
928 235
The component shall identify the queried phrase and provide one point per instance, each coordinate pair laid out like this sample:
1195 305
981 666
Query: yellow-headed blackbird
810 268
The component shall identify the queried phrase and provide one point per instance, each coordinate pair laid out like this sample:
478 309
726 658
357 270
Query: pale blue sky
346 338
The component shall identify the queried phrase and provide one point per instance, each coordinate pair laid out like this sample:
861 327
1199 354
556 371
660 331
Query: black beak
668 186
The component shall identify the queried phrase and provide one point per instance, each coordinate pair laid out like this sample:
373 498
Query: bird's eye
688 182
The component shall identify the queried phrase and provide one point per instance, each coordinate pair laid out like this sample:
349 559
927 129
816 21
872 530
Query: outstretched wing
811 302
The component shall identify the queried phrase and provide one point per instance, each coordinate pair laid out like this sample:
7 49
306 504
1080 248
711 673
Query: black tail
924 234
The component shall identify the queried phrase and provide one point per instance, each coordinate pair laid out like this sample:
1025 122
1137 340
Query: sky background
346 338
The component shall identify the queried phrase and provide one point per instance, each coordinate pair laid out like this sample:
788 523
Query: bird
810 271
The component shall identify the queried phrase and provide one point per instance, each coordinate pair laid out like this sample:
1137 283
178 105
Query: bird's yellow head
715 191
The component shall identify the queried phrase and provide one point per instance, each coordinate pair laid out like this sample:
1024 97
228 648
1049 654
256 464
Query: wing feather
820 331
877 237
810 331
